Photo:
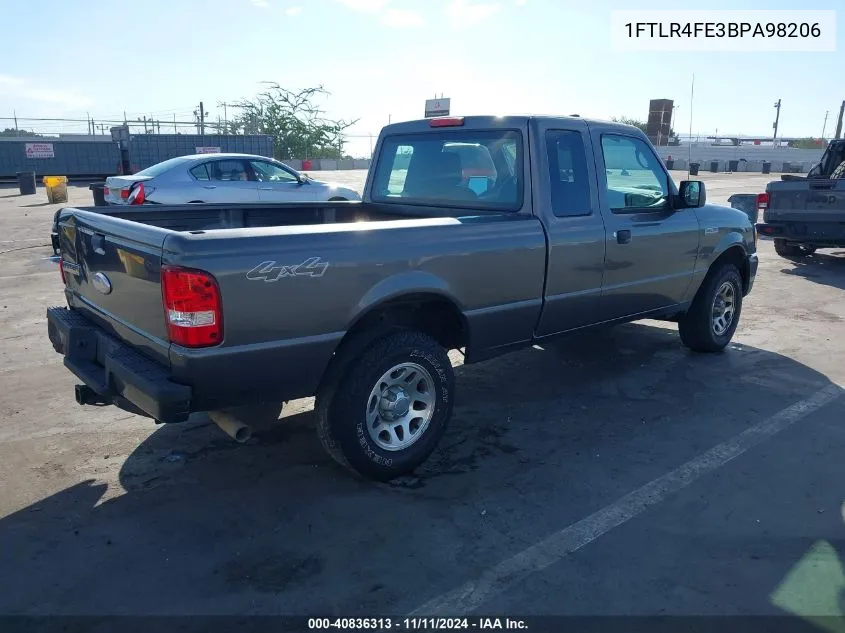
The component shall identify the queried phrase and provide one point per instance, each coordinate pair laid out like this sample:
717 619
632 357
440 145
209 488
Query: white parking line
471 595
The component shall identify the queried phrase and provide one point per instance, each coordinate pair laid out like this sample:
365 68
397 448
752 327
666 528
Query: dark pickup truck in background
804 214
232 309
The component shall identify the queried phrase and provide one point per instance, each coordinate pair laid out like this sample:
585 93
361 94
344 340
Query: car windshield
159 168
475 169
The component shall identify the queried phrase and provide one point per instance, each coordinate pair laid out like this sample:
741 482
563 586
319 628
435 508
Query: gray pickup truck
482 234
805 214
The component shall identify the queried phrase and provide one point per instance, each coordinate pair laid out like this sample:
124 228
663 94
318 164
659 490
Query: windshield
159 168
475 169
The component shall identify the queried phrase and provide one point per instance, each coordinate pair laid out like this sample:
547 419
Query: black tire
696 327
839 172
342 406
791 249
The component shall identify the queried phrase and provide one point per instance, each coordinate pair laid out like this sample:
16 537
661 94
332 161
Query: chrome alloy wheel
724 308
400 406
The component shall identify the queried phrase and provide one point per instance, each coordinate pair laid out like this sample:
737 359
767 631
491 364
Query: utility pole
175 131
824 127
201 114
225 115
15 115
775 124
839 124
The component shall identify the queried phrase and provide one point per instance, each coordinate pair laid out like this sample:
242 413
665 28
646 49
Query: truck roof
493 121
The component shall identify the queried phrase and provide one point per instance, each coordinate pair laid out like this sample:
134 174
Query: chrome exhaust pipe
233 427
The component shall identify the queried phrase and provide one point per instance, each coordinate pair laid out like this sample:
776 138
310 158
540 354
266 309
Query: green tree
298 126
10 131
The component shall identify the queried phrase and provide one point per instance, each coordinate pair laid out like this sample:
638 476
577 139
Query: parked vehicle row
232 309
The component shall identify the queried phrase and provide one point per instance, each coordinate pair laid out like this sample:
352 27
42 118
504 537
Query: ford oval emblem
101 283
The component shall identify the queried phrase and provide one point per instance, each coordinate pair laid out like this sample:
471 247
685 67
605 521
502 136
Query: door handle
210 187
266 188
623 236
98 241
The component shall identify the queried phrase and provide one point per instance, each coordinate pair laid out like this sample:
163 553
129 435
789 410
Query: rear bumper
114 372
821 234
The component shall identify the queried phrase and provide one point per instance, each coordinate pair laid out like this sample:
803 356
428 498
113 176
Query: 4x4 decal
270 271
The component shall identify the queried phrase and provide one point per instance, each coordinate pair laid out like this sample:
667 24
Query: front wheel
386 414
713 317
791 249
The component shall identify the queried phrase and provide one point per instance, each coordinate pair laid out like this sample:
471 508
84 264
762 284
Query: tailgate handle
821 184
98 243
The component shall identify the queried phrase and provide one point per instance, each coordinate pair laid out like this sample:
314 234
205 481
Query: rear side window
228 170
461 168
568 175
200 172
159 168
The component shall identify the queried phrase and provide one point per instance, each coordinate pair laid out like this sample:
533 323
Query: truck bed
206 217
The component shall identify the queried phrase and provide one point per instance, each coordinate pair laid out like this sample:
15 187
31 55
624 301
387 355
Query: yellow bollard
56 188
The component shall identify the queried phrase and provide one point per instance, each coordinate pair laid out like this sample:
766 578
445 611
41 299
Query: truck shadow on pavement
539 439
826 268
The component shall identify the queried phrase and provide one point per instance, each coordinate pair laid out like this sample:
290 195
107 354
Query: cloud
18 88
292 11
365 6
464 14
401 18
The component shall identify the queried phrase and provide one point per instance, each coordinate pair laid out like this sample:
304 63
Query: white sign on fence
39 150
208 150
437 107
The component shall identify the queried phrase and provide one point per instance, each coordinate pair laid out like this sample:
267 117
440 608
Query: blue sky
382 58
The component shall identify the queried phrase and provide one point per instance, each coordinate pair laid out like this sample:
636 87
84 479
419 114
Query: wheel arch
430 311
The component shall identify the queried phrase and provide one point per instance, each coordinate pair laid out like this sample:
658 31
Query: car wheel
791 249
713 317
386 414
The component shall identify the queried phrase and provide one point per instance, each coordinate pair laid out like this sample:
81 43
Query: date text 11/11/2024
416 624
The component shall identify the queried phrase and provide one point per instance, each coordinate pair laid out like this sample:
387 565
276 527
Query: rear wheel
839 172
712 319
386 414
791 249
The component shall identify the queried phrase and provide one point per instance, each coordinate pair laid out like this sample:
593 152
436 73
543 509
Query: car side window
228 170
268 172
635 178
200 172
568 173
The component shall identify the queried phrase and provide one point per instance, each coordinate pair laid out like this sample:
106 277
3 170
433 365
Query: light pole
775 124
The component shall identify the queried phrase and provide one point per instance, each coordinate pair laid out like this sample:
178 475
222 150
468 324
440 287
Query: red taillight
446 121
136 195
124 194
762 201
192 307
62 271
105 191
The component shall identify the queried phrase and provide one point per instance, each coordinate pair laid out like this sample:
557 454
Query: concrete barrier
361 163
346 163
293 163
326 164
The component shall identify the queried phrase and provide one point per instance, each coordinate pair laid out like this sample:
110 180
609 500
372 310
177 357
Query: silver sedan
221 178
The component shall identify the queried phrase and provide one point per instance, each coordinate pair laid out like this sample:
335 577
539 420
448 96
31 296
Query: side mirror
692 194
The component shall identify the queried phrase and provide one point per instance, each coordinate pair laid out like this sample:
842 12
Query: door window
228 171
268 172
200 172
635 178
568 175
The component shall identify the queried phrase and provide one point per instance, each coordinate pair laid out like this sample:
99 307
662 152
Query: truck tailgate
112 273
806 201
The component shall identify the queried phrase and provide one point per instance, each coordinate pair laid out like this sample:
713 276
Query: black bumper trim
115 371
